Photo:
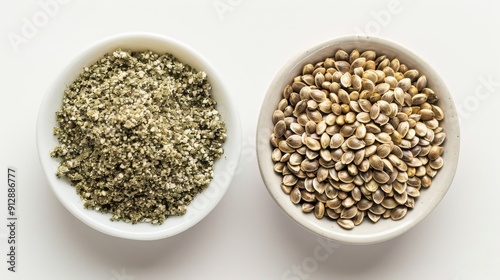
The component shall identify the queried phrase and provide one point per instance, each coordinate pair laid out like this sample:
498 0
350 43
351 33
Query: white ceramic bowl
367 232
224 167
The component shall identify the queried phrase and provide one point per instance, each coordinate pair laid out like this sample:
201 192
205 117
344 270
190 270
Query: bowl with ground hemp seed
138 137
358 139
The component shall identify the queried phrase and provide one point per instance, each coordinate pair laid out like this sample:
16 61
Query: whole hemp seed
357 136
138 136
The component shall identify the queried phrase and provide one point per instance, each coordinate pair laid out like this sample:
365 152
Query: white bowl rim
310 223
218 189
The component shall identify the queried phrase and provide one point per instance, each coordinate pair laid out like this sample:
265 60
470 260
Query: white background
247 236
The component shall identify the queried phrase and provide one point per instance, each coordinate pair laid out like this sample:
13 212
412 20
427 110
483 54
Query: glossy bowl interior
367 232
224 167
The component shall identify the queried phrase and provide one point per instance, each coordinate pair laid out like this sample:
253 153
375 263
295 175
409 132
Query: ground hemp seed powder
138 136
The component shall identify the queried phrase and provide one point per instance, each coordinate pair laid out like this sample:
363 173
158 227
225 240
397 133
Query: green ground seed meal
138 136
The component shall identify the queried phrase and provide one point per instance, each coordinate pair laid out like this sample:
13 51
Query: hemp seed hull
138 136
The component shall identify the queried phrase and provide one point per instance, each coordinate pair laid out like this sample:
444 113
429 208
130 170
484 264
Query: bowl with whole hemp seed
138 137
358 139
